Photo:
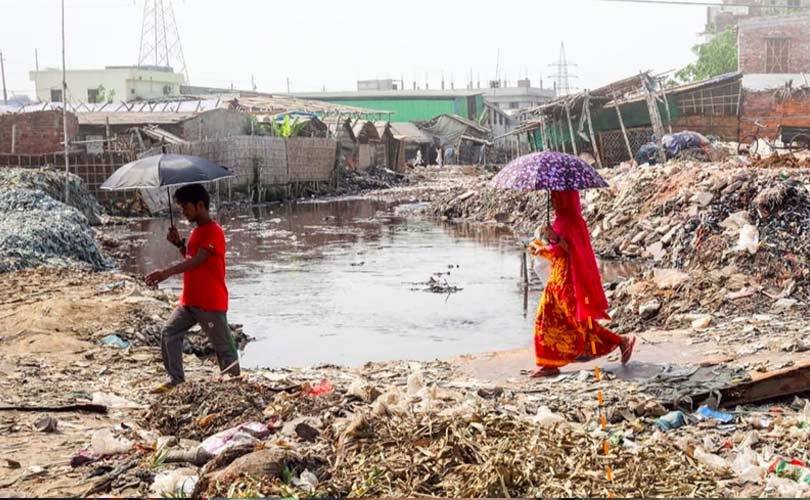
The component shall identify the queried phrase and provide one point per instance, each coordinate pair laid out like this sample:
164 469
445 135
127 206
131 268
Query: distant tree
104 95
717 57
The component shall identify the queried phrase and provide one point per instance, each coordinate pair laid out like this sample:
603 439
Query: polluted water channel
351 281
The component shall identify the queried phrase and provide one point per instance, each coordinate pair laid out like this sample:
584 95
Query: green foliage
287 128
104 95
717 57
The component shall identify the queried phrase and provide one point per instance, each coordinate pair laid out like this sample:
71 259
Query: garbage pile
357 181
412 429
714 235
52 183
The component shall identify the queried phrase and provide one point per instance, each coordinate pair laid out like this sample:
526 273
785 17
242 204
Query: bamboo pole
571 128
621 123
590 130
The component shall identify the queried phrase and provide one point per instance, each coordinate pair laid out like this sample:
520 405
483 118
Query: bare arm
187 265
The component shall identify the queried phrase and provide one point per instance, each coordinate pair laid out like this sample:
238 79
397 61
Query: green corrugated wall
407 110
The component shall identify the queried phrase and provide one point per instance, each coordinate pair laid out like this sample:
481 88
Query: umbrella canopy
165 170
548 170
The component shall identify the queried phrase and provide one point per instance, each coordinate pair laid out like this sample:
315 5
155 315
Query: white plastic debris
104 443
307 481
547 418
749 239
710 459
746 466
113 401
416 381
176 483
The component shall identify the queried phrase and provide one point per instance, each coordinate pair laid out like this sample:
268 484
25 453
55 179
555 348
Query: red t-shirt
204 286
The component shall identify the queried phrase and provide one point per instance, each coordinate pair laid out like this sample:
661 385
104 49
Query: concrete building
112 83
514 99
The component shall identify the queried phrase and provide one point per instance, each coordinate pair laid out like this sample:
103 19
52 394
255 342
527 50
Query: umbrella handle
169 197
548 208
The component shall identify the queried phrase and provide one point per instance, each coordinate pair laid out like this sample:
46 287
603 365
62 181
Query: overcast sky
332 43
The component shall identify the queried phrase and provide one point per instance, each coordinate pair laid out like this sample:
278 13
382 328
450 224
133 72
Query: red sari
566 325
559 338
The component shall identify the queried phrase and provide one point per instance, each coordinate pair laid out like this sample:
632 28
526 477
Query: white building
514 99
113 83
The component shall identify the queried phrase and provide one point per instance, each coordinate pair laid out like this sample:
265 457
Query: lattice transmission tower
563 74
160 40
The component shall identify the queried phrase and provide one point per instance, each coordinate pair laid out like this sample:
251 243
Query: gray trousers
215 326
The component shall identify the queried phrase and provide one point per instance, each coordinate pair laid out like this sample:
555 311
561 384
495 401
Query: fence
268 161
91 168
613 148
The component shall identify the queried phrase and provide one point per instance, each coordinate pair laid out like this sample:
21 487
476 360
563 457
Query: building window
92 95
777 55
794 4
56 95
514 105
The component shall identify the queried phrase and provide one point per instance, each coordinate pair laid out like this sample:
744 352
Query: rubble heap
358 181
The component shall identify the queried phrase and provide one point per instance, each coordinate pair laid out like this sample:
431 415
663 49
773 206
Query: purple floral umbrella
549 171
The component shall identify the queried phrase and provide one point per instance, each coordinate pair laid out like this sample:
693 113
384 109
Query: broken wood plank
764 387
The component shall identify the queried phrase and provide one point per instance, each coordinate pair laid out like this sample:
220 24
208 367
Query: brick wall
752 42
771 111
310 159
214 124
39 132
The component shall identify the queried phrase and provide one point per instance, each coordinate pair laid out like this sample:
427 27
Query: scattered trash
113 401
104 443
115 341
321 388
704 412
83 457
249 433
547 418
710 459
796 470
178 483
671 420
46 424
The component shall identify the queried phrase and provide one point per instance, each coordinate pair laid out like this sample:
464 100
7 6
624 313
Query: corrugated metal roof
408 132
404 94
133 118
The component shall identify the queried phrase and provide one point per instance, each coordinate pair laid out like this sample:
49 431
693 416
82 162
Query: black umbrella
165 170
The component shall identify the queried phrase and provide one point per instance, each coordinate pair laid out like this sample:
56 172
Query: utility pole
64 111
288 85
36 59
253 82
3 72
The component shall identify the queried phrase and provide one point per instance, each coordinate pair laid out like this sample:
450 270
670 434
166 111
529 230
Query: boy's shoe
163 388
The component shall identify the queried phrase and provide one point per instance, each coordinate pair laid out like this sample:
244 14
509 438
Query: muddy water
344 283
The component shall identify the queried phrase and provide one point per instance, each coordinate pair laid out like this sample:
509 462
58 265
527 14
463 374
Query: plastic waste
249 433
786 488
83 457
176 483
113 401
746 466
795 469
710 459
749 239
321 388
307 481
704 412
763 423
105 443
547 418
671 420
416 381
115 341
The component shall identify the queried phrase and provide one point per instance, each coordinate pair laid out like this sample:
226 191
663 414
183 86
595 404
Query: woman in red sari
566 328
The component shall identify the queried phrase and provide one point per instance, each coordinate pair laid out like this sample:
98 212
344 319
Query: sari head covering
570 226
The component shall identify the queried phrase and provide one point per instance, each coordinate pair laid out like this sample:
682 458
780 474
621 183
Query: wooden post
666 106
107 127
655 117
13 139
621 122
562 137
571 128
590 130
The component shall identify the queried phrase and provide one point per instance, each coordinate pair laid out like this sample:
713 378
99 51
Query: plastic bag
113 401
547 418
746 466
710 459
179 482
749 239
104 443
249 433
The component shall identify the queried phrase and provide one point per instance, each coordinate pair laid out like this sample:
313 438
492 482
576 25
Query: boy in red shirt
204 299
